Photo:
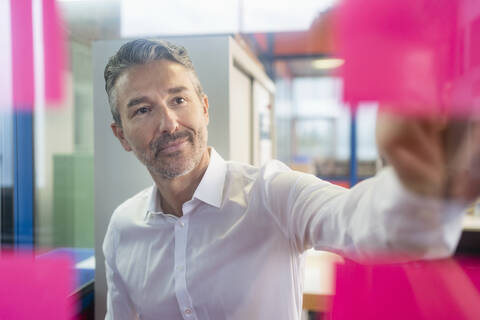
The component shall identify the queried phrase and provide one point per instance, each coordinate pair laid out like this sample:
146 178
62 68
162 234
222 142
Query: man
214 239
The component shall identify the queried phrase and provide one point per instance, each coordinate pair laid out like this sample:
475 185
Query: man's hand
433 157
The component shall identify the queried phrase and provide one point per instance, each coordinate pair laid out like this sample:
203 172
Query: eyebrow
135 101
176 89
143 99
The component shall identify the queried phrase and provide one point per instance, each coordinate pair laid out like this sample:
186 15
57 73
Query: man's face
164 121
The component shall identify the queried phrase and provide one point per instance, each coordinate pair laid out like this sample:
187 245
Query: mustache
164 140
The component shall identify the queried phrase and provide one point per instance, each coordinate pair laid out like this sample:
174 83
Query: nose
169 123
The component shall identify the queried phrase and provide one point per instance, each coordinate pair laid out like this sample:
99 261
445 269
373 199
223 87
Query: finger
423 137
417 175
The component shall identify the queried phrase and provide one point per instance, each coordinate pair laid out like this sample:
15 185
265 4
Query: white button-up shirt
237 251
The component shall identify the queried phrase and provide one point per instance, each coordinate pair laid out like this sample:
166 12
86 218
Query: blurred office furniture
82 298
469 244
73 200
6 217
319 280
241 126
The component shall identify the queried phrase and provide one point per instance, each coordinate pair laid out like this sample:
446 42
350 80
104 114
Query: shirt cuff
425 226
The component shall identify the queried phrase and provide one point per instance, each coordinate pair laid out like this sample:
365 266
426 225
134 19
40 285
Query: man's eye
179 100
141 110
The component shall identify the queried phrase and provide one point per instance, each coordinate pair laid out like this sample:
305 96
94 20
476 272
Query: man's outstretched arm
404 210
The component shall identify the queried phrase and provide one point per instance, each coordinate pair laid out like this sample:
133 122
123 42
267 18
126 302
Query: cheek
191 121
139 138
201 128
202 119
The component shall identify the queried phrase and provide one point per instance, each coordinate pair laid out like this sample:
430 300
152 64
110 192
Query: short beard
170 167
171 173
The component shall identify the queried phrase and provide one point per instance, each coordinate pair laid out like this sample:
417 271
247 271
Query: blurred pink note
417 57
35 288
22 54
32 51
425 290
55 54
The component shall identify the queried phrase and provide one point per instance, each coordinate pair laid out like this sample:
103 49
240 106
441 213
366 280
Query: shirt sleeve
378 216
119 304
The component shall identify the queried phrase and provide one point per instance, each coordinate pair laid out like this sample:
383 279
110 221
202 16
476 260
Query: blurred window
314 136
367 154
319 126
140 17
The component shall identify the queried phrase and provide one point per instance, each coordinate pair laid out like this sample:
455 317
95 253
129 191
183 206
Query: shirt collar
154 201
210 188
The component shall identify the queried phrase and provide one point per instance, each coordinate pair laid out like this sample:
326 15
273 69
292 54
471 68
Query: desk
471 223
84 268
318 277
319 280
84 260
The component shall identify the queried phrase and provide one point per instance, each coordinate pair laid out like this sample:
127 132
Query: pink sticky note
22 54
35 288
414 56
55 54
415 291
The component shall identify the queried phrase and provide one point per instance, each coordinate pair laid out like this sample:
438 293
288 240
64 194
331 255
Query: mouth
173 146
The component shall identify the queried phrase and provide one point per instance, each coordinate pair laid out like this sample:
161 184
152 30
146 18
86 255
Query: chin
170 171
177 164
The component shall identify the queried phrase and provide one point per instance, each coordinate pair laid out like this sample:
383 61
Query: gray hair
142 51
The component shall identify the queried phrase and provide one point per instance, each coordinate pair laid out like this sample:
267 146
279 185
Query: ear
205 107
118 132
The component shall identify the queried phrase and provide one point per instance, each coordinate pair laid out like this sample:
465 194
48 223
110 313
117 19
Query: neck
175 192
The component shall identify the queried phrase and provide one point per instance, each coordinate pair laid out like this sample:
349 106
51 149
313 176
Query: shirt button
179 268
181 224
188 311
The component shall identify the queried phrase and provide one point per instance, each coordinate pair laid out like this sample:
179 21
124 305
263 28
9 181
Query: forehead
154 77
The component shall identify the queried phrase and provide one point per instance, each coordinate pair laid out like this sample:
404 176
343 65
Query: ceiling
87 21
287 54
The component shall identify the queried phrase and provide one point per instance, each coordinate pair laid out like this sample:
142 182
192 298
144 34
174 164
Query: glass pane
64 161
